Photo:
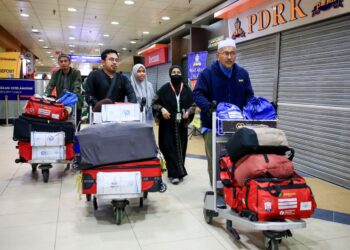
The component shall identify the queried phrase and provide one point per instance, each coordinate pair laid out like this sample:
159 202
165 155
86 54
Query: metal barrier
6 111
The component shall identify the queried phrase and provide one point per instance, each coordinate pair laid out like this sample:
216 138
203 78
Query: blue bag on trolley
68 98
227 111
259 108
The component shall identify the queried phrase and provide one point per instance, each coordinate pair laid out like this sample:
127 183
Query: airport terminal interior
297 55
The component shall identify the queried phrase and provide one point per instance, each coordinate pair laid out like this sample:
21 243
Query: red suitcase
25 151
269 199
151 174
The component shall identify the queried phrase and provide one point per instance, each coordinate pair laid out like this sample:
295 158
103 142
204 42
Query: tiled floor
34 215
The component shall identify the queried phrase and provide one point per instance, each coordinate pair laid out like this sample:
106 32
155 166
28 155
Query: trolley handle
142 104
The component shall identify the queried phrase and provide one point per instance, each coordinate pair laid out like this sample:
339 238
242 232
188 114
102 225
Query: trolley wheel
34 167
163 187
273 244
118 213
94 203
208 216
233 231
67 167
145 195
46 174
88 197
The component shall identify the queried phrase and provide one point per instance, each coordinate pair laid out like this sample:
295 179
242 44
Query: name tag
178 117
241 80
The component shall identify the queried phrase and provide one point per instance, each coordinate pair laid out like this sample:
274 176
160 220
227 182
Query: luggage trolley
44 164
273 231
121 200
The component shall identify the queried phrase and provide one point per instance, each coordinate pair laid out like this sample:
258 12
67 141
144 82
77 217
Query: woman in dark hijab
173 110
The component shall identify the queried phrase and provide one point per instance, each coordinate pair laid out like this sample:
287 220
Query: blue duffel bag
259 108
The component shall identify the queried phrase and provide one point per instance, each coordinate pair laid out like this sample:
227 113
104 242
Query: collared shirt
227 72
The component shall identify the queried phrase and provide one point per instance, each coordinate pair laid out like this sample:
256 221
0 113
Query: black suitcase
26 124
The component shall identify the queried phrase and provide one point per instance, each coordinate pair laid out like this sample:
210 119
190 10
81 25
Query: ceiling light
72 9
71 27
100 44
45 47
114 23
145 32
71 51
41 40
48 52
71 45
124 49
35 30
132 41
129 2
52 56
166 18
97 50
71 38
105 35
24 14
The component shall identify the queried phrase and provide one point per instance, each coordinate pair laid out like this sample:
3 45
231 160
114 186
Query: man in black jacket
106 83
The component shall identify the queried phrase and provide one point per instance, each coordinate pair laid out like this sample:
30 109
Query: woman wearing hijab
173 109
142 87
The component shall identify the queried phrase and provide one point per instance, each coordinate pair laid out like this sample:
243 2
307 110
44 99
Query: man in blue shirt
223 81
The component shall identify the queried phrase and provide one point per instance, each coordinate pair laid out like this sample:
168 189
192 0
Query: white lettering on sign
153 59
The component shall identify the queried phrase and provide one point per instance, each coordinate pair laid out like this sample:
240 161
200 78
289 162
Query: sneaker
175 181
220 203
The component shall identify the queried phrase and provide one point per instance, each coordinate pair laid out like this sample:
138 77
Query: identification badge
178 117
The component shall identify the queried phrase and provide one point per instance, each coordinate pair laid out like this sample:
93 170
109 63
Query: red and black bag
52 110
151 174
269 199
231 189
25 151
262 165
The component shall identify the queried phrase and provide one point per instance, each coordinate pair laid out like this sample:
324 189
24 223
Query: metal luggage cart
273 231
45 165
119 201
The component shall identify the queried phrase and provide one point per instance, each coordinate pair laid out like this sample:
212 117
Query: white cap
228 42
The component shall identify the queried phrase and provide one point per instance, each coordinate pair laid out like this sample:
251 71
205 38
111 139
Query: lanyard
177 96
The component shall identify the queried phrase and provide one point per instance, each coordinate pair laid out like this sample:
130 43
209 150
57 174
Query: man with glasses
223 81
106 85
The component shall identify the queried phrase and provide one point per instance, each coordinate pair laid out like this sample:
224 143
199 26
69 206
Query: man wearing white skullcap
223 81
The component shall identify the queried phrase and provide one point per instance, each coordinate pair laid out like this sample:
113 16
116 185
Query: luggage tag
178 117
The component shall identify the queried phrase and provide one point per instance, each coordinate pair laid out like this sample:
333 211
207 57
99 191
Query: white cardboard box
47 138
118 183
48 153
120 112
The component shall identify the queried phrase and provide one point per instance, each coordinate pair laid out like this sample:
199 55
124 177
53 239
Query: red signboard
156 57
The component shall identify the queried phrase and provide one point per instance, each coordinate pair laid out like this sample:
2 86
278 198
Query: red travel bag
269 199
39 107
231 188
151 174
262 165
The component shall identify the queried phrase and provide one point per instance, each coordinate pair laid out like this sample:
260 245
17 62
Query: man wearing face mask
173 110
223 81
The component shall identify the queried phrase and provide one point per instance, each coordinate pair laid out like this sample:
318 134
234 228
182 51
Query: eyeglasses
111 59
227 54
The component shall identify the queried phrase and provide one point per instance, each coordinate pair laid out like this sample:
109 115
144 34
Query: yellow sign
10 64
